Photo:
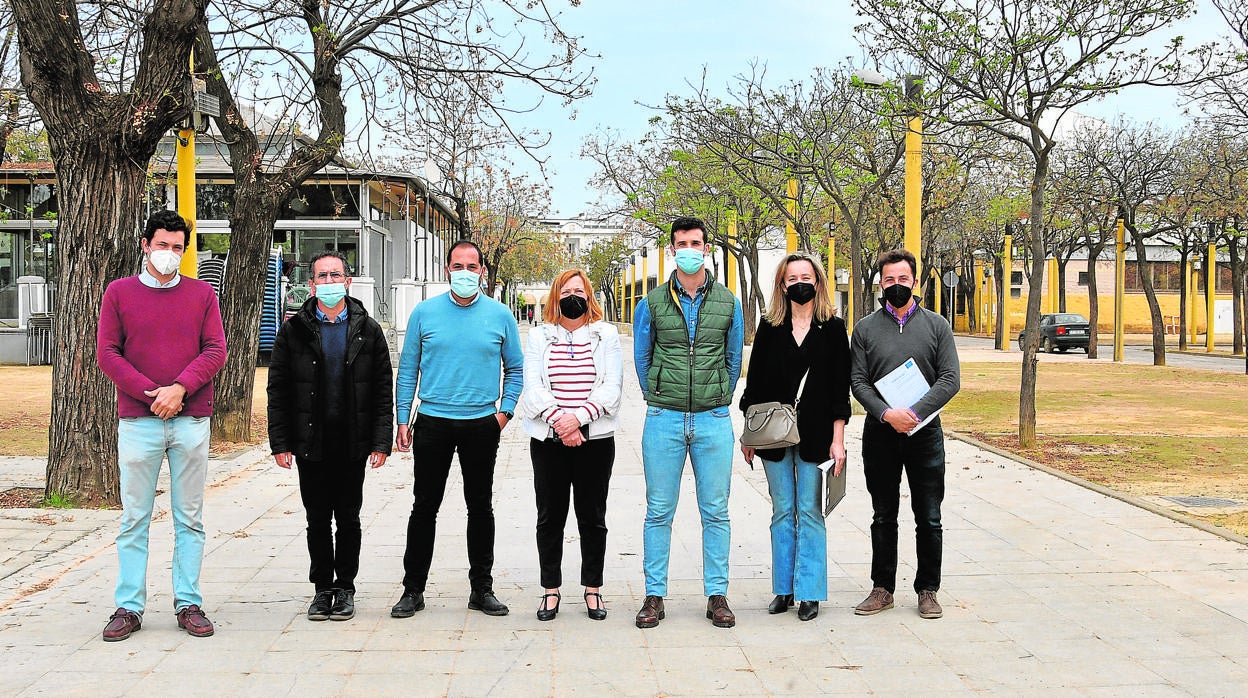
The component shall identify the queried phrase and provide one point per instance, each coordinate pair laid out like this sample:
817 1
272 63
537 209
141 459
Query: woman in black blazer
800 333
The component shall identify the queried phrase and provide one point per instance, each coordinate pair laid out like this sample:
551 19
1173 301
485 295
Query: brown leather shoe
717 610
651 612
121 624
192 620
928 606
878 600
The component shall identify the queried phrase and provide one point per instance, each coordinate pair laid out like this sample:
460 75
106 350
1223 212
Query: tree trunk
251 237
1094 300
1185 279
101 144
1027 382
1154 308
1237 286
98 242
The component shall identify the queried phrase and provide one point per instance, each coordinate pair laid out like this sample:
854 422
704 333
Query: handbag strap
800 386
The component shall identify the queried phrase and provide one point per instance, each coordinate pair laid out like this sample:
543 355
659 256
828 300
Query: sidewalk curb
1134 501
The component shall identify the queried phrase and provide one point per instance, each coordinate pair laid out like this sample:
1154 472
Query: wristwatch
507 414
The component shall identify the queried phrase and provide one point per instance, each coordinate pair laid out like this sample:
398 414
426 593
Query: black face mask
573 306
801 292
897 295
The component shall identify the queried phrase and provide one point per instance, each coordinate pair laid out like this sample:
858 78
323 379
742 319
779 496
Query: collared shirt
901 319
325 318
152 282
643 333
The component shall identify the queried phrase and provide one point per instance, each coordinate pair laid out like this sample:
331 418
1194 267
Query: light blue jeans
142 445
705 438
799 543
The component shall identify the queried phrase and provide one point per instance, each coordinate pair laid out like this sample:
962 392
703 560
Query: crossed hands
568 429
168 400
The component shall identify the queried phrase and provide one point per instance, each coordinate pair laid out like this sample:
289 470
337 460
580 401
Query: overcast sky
651 48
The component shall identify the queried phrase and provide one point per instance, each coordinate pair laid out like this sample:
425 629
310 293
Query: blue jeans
706 439
142 445
799 543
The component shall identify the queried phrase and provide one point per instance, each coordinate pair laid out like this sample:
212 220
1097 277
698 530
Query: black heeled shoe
780 604
807 610
545 612
599 613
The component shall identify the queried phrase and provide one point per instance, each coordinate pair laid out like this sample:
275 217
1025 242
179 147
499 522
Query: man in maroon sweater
161 342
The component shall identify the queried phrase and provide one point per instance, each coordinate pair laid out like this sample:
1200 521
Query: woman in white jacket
572 377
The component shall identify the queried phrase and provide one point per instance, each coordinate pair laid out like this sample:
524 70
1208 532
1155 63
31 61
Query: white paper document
903 387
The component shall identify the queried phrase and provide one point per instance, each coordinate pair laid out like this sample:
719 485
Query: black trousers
586 471
332 490
435 440
885 453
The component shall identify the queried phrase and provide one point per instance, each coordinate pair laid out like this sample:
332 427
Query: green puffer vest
684 376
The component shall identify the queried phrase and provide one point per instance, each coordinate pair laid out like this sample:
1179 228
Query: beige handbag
773 424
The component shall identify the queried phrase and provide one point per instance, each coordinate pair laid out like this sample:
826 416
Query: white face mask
165 261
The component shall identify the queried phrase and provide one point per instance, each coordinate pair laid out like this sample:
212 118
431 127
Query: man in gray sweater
883 341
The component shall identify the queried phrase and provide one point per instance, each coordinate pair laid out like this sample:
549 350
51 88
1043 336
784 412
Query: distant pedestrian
161 341
331 411
882 342
460 347
687 347
573 373
800 339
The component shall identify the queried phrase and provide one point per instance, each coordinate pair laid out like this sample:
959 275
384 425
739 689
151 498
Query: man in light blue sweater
459 347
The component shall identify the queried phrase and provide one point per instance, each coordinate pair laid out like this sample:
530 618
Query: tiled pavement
1049 589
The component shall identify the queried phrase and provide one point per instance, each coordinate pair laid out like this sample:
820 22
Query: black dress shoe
344 605
486 602
807 610
599 613
321 605
408 605
780 604
546 612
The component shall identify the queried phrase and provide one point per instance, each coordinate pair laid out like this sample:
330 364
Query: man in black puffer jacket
331 410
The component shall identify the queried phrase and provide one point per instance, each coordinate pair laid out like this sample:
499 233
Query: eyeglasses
330 276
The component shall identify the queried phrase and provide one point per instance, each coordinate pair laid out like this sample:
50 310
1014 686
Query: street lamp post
913 87
1120 277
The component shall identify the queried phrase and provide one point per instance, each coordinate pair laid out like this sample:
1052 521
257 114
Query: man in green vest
687 339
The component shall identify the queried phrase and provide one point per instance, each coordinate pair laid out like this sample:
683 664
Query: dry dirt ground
1143 430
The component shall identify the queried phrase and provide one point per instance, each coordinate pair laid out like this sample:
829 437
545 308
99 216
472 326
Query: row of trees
108 80
998 88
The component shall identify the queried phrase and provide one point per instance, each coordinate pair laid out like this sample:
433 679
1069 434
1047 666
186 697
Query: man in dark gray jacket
882 342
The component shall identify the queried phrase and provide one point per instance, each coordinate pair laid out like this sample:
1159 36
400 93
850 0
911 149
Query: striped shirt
570 369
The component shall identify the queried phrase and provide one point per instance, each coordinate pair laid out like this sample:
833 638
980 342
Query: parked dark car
1061 331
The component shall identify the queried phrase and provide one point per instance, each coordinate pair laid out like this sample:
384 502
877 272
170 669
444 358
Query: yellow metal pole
1007 266
662 258
1055 297
1190 276
730 274
185 153
632 290
914 190
645 275
831 269
790 229
978 298
1211 278
1120 277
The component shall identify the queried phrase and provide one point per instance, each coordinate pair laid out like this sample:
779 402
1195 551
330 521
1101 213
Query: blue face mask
331 294
464 283
689 260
